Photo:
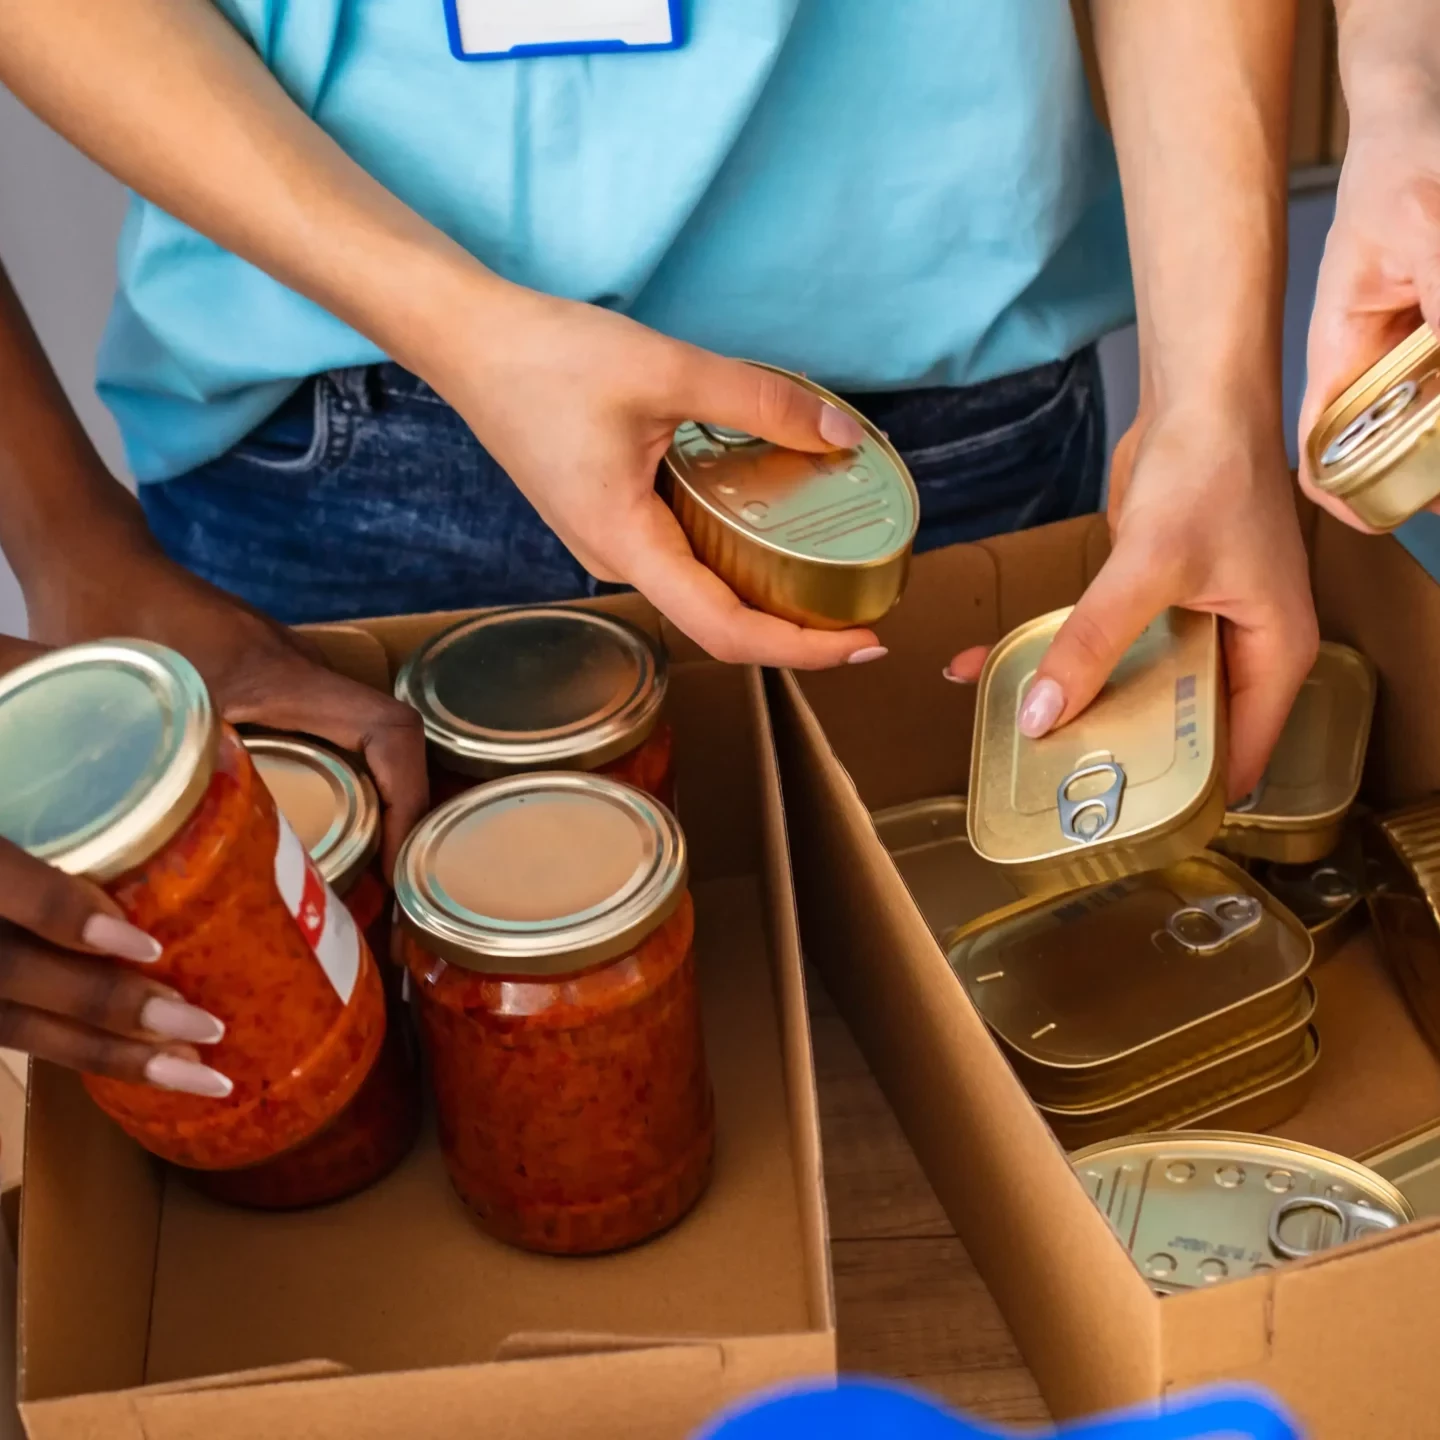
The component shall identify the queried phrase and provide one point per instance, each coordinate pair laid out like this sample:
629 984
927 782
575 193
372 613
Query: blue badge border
574 47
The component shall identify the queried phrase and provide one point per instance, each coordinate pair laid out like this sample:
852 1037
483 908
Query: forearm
1389 54
54 488
169 98
1198 98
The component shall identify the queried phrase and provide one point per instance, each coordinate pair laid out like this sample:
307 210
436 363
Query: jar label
323 919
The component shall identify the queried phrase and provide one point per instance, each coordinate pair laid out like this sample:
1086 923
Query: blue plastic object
864 1410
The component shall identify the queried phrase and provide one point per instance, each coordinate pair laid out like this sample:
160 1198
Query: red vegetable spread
650 767
575 1111
304 1010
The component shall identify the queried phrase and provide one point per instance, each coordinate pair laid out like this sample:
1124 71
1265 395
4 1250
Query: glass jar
549 935
334 810
119 770
542 687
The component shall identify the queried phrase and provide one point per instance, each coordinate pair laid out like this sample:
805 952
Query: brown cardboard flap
353 652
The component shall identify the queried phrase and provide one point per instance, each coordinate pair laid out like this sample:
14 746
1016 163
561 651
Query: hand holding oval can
580 407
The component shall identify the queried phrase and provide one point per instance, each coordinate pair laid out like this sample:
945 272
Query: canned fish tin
930 846
1412 1165
1327 897
1107 990
1296 814
823 540
1224 1078
1195 1207
1374 448
1135 782
1403 890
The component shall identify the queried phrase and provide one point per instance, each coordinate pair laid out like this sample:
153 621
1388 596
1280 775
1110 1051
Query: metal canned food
1296 814
1402 854
1196 1207
1135 782
1327 897
1229 1077
950 883
1412 1165
1106 991
823 540
1374 448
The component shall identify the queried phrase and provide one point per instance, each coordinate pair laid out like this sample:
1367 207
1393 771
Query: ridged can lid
105 751
330 805
541 874
1375 447
539 687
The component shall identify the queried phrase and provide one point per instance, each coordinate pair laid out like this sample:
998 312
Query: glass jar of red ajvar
124 774
333 809
549 932
542 687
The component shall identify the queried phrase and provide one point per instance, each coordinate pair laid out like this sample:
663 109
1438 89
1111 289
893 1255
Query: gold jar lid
1375 446
330 805
538 687
1134 782
823 540
1296 812
1195 1207
541 874
105 751
1107 989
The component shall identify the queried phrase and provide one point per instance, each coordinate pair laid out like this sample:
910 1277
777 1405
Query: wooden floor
910 1303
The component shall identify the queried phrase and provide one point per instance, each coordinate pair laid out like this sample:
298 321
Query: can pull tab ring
1085 821
726 438
1211 924
1332 887
1356 1218
1388 408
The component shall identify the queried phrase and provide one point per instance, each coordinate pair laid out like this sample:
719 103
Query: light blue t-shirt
882 195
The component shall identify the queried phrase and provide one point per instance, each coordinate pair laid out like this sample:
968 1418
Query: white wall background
59 216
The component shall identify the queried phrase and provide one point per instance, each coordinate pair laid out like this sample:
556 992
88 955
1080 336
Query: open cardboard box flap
145 1306
1346 1337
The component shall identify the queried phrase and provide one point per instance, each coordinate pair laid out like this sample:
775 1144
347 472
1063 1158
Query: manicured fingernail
175 1020
118 937
841 430
172 1072
955 679
1041 709
869 653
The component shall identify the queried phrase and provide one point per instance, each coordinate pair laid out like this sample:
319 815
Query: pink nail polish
869 653
175 1020
954 679
1041 709
189 1077
839 429
121 939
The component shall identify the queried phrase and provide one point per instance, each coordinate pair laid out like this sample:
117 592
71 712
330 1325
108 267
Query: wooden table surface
910 1304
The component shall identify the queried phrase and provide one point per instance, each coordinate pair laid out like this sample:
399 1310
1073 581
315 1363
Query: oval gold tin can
1135 782
1197 1207
950 884
820 539
1227 1078
1296 815
1375 447
1105 991
1402 852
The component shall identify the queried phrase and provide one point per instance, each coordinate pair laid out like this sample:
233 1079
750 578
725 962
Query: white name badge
517 29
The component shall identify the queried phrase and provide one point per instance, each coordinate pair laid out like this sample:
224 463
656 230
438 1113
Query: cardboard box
1346 1338
146 1310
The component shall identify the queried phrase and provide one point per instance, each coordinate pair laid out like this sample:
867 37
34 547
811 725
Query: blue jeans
366 494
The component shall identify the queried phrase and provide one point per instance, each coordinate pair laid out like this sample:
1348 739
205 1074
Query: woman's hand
1381 272
64 997
579 406
1202 516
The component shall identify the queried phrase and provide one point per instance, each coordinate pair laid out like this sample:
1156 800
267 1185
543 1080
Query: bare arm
1201 506
1381 272
169 98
